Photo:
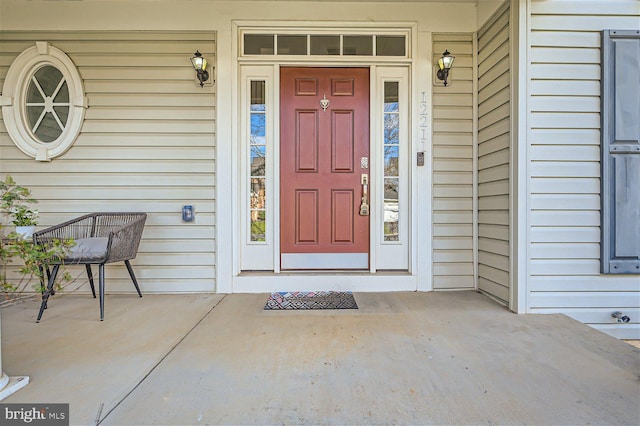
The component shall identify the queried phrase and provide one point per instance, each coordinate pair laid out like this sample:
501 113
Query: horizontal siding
565 165
600 319
147 144
494 140
453 167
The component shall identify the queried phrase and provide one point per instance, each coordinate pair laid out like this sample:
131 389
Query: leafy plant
24 216
15 201
33 258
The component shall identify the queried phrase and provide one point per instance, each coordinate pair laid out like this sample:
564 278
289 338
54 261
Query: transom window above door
324 44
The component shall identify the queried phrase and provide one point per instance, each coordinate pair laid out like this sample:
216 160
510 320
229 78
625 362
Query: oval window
47 104
43 109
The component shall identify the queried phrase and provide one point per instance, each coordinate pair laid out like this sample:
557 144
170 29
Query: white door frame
418 275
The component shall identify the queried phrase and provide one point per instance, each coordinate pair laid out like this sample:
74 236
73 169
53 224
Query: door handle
364 204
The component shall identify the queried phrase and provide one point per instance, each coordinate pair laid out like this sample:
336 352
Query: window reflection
357 45
258 44
391 154
391 161
257 162
390 45
292 44
258 155
257 128
325 45
391 129
47 106
391 209
258 209
391 96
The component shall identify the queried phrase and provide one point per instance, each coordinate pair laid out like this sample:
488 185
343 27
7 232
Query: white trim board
255 282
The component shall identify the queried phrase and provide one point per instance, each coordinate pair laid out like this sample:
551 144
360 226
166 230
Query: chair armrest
80 227
125 240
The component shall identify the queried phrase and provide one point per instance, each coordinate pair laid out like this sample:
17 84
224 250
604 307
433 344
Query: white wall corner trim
519 169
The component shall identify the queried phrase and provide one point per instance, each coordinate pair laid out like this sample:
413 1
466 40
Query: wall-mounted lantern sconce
200 65
444 65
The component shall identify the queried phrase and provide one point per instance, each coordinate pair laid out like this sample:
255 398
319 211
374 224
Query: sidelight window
257 162
391 150
392 147
256 152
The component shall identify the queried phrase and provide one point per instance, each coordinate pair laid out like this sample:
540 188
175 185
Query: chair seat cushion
87 249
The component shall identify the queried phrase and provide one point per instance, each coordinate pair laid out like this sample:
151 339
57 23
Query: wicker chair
100 238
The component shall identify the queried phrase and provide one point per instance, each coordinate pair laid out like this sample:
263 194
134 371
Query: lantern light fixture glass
444 65
200 65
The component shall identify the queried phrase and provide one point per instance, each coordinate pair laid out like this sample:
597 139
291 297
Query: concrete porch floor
402 358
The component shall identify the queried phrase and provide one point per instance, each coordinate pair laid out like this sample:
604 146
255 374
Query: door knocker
324 103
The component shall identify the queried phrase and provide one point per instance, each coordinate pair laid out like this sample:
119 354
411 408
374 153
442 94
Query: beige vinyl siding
147 144
453 167
494 141
565 165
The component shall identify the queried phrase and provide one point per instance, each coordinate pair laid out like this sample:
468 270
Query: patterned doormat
311 300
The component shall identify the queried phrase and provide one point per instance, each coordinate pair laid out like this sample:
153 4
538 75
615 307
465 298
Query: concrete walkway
402 358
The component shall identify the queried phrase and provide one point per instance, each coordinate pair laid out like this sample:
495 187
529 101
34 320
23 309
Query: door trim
228 270
418 274
382 254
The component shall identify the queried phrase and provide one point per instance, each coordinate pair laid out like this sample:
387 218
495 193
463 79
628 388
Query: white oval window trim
14 93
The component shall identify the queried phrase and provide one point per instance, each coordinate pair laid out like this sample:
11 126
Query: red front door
324 155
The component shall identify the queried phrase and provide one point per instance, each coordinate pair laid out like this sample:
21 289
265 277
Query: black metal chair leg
48 291
90 275
101 289
133 277
51 281
43 283
53 292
